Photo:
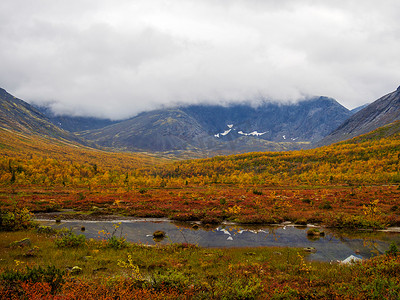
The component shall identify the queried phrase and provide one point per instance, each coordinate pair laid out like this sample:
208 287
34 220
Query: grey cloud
115 59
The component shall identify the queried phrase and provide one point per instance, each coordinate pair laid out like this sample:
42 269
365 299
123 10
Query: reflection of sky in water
332 246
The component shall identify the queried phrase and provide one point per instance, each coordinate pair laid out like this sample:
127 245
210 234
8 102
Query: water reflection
334 245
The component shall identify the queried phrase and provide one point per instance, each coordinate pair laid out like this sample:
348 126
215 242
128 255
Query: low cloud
117 58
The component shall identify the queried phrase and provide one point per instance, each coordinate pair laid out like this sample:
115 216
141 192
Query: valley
350 185
222 150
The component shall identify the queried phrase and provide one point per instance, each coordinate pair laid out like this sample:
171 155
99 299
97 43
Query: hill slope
383 111
159 130
370 159
16 114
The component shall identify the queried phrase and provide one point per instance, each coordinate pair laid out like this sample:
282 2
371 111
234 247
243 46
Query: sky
115 59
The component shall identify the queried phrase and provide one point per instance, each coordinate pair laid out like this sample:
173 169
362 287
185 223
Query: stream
333 246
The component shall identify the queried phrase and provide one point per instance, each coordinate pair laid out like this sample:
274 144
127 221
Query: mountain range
209 129
234 128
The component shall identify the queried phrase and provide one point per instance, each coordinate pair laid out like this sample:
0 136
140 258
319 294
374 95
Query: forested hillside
340 185
373 158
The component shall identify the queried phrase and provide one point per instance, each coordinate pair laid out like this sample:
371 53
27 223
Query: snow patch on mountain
223 133
254 133
230 126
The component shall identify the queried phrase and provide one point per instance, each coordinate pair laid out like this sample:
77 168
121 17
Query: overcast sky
117 58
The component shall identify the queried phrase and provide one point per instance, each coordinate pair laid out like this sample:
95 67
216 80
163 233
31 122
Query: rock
315 232
87 258
46 230
351 260
312 226
310 249
22 243
32 252
76 270
159 234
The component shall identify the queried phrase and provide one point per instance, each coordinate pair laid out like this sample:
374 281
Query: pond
334 245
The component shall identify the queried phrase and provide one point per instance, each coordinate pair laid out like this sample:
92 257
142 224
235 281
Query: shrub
211 220
301 221
16 219
256 219
342 220
393 251
112 241
142 191
257 192
46 230
306 200
325 205
188 216
117 242
68 239
50 274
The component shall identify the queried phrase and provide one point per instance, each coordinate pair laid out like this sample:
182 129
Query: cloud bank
117 58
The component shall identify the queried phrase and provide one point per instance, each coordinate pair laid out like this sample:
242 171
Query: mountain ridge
383 111
18 115
212 127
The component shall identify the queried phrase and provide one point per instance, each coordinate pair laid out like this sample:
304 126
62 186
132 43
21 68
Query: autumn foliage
335 185
352 184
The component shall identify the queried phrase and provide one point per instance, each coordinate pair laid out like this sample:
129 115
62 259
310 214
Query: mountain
357 109
381 112
203 130
391 131
305 121
74 124
230 129
158 130
17 115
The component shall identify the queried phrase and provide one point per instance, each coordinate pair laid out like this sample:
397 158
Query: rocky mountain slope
383 111
17 115
305 121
